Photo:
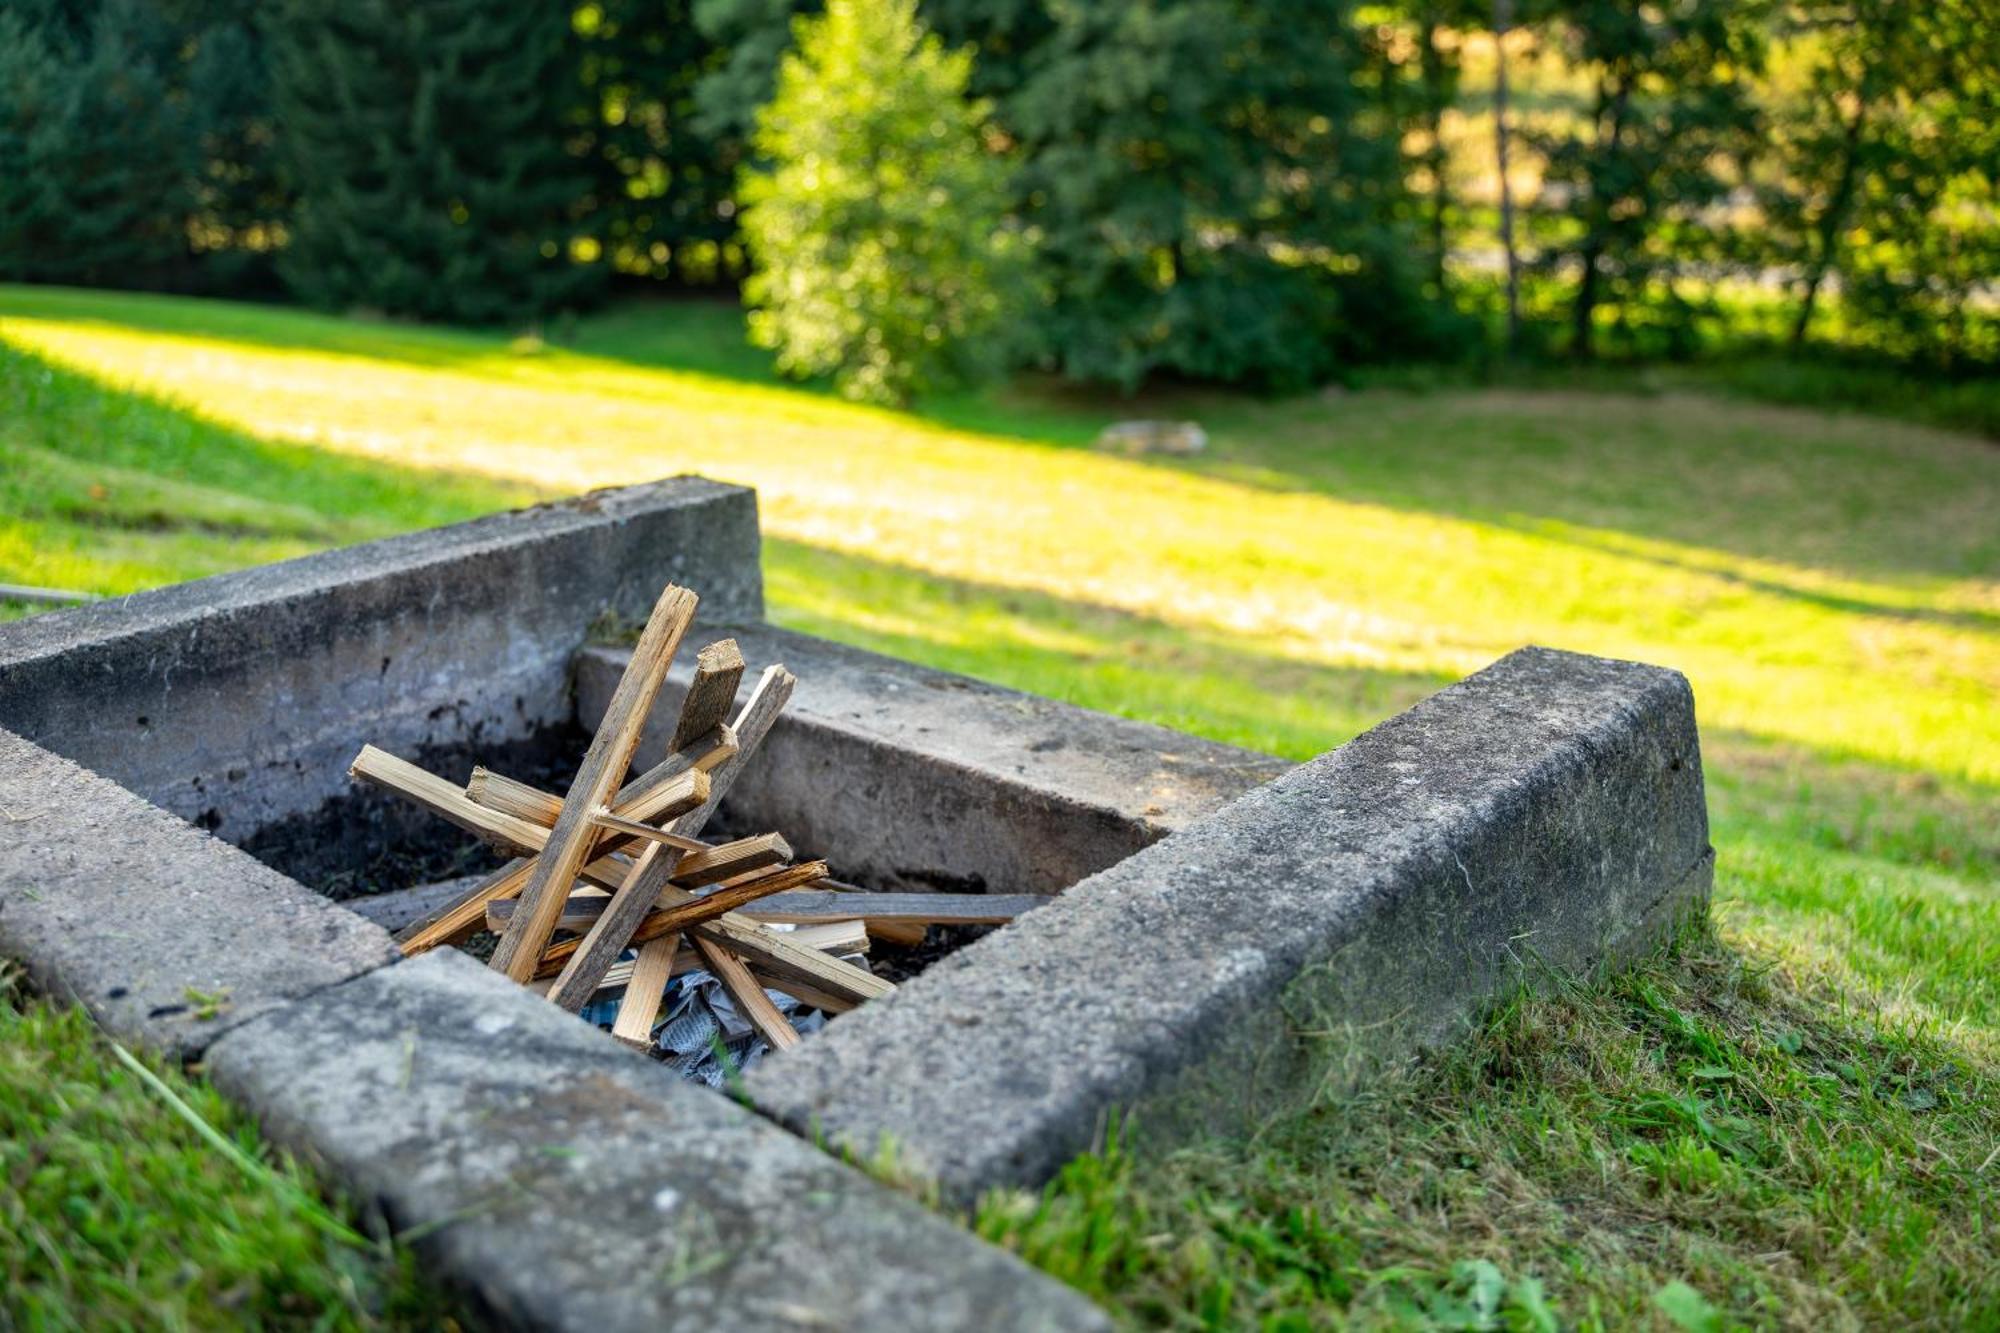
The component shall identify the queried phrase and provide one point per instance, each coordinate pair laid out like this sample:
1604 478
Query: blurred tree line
919 190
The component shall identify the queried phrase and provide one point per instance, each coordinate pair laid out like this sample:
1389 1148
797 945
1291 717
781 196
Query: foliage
882 253
661 201
1582 1152
117 1211
94 155
1635 190
1216 193
426 149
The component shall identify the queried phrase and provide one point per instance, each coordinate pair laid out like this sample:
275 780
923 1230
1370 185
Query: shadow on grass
1208 683
108 490
1839 494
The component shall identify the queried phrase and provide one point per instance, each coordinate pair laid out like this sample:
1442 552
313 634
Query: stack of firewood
616 866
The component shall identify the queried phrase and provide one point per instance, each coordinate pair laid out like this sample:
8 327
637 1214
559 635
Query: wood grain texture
572 837
678 910
748 992
718 670
651 971
773 692
614 928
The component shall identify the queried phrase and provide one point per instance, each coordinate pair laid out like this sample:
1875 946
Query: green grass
1789 1122
116 1212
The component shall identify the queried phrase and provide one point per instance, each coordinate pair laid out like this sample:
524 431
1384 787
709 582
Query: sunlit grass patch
1694 1142
1781 1124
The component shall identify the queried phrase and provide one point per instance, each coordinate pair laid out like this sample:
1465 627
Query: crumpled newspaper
702 1034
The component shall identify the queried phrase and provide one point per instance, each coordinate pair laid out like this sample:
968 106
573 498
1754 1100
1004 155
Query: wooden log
773 692
774 955
929 909
600 946
572 837
445 799
508 832
894 917
835 937
718 670
679 910
632 828
687 960
497 791
734 860
644 992
463 916
751 1001
902 934
804 994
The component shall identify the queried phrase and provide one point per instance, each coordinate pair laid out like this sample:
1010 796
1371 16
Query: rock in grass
1180 438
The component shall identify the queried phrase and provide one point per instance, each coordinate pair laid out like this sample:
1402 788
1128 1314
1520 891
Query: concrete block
906 777
573 1185
148 921
1548 808
238 700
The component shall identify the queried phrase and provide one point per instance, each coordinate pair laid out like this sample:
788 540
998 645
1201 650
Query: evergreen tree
1631 196
878 233
1218 189
94 154
663 196
425 141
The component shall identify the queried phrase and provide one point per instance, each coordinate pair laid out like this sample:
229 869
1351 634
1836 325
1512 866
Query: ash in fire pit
615 908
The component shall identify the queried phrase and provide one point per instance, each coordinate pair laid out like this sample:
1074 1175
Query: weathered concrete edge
167 935
1549 808
561 1182
236 700
908 776
113 903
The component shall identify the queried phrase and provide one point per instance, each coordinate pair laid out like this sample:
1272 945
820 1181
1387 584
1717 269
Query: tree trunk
1832 218
1503 20
1436 95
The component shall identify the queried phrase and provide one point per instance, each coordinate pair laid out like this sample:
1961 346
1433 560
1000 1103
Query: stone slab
138 915
238 700
1549 808
566 1183
906 777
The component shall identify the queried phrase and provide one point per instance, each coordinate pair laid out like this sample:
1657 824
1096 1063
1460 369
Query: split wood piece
510 833
687 960
886 914
834 937
639 799
805 994
497 791
465 915
645 991
446 800
928 909
603 771
771 953
748 992
902 934
731 861
718 670
773 692
635 898
594 954
644 832
679 910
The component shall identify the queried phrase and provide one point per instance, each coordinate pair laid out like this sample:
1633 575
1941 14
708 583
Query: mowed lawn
1792 1120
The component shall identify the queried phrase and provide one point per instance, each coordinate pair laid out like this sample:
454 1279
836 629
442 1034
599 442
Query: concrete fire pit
1231 931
